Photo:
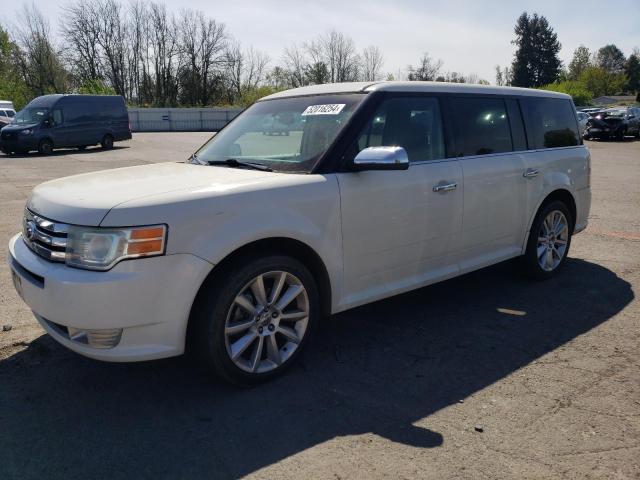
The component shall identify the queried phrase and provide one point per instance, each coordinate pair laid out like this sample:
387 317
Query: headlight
27 131
102 248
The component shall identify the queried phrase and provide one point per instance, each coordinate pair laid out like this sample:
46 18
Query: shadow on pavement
64 151
378 368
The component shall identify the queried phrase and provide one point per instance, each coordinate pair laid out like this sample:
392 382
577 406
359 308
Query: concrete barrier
180 119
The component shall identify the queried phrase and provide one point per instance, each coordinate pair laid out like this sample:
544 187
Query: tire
248 348
45 147
6 151
537 262
107 142
82 147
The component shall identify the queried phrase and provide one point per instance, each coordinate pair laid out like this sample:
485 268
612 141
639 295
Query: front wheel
251 326
549 240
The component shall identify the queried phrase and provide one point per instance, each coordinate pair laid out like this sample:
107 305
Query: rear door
493 220
401 228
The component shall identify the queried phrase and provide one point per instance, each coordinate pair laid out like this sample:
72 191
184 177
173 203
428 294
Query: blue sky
469 36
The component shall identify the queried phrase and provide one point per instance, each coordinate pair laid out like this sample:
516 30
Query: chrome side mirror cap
381 158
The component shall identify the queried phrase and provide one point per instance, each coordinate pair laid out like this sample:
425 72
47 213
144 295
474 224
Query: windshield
288 134
30 115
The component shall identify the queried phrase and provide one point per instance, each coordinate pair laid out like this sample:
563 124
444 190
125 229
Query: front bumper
149 299
26 142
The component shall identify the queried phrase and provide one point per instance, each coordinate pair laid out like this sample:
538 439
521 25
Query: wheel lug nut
260 329
271 327
274 315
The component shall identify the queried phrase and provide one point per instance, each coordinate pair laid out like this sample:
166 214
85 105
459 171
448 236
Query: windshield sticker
329 109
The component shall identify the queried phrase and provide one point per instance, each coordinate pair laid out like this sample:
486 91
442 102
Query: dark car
614 123
63 121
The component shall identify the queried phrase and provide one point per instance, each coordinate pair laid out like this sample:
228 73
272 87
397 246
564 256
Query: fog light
107 338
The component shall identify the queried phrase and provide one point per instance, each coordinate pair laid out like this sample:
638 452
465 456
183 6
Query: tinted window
11 113
2 113
480 126
412 123
550 122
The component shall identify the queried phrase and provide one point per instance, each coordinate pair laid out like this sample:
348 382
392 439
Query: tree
579 62
600 82
296 63
372 62
426 70
632 71
317 73
577 90
611 59
12 85
536 61
338 53
38 59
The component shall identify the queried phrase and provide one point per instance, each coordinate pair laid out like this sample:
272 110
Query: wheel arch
561 194
272 245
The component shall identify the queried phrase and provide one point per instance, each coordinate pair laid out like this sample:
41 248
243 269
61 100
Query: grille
45 237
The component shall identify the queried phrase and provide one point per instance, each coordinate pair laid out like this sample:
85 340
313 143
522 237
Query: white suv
379 188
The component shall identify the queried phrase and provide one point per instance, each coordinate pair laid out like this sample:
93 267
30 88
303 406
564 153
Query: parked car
240 252
274 126
6 116
62 121
614 123
582 121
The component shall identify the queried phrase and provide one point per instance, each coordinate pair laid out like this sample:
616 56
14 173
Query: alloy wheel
553 239
266 321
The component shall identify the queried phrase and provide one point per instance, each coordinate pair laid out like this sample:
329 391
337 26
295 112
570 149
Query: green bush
580 94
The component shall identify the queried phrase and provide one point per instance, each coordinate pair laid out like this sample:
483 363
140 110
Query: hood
86 199
10 127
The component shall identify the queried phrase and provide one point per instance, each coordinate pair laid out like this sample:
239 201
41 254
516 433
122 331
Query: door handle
530 173
445 187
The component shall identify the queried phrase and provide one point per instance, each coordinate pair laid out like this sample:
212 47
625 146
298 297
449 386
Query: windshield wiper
235 163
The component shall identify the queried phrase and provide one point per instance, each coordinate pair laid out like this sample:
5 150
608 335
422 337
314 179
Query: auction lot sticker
328 109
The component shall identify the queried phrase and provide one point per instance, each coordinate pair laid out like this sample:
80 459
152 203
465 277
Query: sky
468 36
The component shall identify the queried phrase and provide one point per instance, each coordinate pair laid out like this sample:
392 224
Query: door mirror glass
381 158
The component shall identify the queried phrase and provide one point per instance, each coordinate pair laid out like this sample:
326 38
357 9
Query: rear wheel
107 142
252 325
549 240
45 147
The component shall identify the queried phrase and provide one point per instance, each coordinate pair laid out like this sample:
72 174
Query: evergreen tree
632 70
536 61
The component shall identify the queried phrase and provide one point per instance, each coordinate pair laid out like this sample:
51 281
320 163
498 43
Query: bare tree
372 62
112 38
427 69
39 59
338 53
80 29
202 43
164 51
296 63
246 70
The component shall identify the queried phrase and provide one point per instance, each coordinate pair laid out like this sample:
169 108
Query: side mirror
381 158
46 123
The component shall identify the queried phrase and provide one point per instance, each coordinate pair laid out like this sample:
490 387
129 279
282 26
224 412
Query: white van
7 112
378 188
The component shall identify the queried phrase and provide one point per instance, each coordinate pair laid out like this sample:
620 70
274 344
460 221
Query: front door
401 228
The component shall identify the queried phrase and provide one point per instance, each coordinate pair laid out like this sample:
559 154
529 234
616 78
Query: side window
550 123
3 113
11 113
56 116
413 123
480 126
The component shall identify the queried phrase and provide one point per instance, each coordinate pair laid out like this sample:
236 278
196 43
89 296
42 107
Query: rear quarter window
550 122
